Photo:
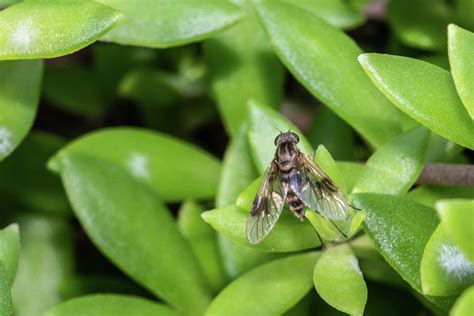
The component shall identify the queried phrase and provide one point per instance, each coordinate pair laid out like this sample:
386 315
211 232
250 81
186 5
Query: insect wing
267 206
319 192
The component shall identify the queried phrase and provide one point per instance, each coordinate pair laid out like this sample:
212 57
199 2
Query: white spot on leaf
453 261
5 141
138 166
23 34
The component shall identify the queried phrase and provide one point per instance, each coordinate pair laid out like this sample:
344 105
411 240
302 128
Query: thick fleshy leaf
420 25
463 306
373 265
423 91
203 241
395 166
108 305
270 289
457 219
400 229
323 59
265 124
445 270
19 95
5 295
131 226
289 234
336 12
338 280
46 262
430 194
163 23
52 28
234 56
10 250
460 47
31 186
351 172
157 160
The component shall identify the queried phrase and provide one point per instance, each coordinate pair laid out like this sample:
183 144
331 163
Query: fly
293 179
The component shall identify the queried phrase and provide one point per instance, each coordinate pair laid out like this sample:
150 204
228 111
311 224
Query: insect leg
323 245
355 208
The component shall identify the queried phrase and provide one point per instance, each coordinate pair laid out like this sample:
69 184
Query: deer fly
293 178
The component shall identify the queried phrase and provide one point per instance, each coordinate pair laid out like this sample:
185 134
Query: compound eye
296 137
276 140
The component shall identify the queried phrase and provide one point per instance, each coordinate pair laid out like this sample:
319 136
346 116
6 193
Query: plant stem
447 174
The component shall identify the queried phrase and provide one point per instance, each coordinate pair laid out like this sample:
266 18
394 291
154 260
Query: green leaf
423 91
463 306
460 47
46 262
289 234
10 250
238 170
203 241
373 265
323 59
265 124
464 10
50 28
163 23
157 160
131 226
418 24
19 95
74 89
429 194
457 219
395 166
5 295
234 56
338 280
31 186
336 12
444 268
400 229
110 304
270 289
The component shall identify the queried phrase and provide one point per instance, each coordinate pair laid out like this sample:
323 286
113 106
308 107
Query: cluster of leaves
414 242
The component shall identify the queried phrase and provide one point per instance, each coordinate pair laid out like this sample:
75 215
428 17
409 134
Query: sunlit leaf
463 306
323 59
338 280
457 219
157 160
400 229
131 226
460 47
395 166
163 23
5 295
51 28
423 91
445 270
270 289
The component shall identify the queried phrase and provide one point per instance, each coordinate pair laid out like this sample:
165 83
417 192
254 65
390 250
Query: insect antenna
276 128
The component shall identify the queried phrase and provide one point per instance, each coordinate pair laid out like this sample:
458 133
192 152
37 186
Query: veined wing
319 192
267 206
